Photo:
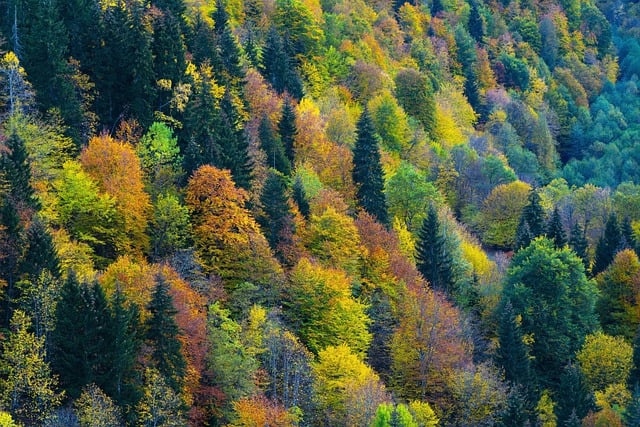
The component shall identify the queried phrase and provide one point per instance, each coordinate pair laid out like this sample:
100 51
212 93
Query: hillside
319 213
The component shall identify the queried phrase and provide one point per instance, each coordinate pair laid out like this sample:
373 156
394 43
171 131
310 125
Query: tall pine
555 230
233 142
277 220
278 68
608 245
578 242
531 219
272 147
162 335
432 258
287 129
367 170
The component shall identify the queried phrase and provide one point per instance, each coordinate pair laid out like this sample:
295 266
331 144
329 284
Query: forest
362 213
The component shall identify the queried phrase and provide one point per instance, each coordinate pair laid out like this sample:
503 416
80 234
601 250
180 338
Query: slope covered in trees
319 212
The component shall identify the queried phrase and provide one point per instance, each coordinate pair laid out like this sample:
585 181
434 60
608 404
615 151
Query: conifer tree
287 129
608 245
367 170
272 147
277 221
533 218
40 254
231 70
476 23
202 43
432 259
14 164
517 412
162 334
631 414
555 230
168 50
628 237
513 354
233 142
300 197
278 68
633 381
574 399
578 242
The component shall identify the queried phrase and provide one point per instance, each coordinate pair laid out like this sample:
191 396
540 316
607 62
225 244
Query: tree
287 129
367 170
600 347
300 197
608 245
163 336
233 142
631 414
28 385
432 258
549 290
501 212
272 146
513 354
231 70
555 230
618 303
95 409
260 411
160 406
476 22
533 218
575 400
416 96
578 242
16 93
277 221
278 68
160 158
14 164
170 228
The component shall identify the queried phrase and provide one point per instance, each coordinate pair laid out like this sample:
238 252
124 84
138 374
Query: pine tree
634 375
574 399
631 414
518 410
272 146
555 230
231 70
202 44
432 259
608 245
578 242
628 237
300 197
162 334
14 164
533 218
367 170
523 234
277 221
168 50
278 68
233 142
40 254
513 354
287 129
476 23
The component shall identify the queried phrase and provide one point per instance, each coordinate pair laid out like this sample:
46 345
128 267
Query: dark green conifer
634 375
367 170
202 43
40 254
533 218
432 258
300 197
278 68
578 242
631 414
162 334
168 49
573 397
628 236
14 165
512 354
272 147
608 245
287 129
523 234
476 23
231 70
555 230
277 221
518 410
233 143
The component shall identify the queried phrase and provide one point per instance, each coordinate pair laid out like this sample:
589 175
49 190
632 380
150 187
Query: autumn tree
95 409
600 347
415 94
545 277
367 170
500 213
160 404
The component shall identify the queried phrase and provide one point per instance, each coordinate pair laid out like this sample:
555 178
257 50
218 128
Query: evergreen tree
168 50
468 57
476 23
631 414
628 237
518 410
40 254
162 334
14 164
634 375
523 234
367 170
432 258
277 221
436 7
555 230
278 68
233 143
578 242
513 354
272 147
608 245
533 218
574 399
287 129
202 43
231 70
300 197
383 324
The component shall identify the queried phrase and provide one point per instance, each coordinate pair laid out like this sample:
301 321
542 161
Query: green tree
278 68
95 409
273 148
631 414
367 170
549 290
287 129
532 219
160 158
233 141
170 228
231 70
415 94
28 387
555 230
476 22
609 244
300 197
160 406
162 334
41 254
432 258
277 221
574 398
598 348
513 354
578 242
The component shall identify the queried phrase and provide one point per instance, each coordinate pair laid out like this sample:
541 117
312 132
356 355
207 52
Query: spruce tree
512 354
608 245
40 254
432 258
555 230
272 146
300 197
278 68
277 221
634 375
162 334
523 234
476 23
631 414
533 218
578 242
231 70
628 237
233 143
574 399
367 170
518 409
169 50
14 164
287 129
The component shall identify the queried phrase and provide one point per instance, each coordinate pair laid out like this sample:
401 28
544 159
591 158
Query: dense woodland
319 213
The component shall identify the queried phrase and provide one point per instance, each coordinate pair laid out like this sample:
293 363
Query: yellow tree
116 168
